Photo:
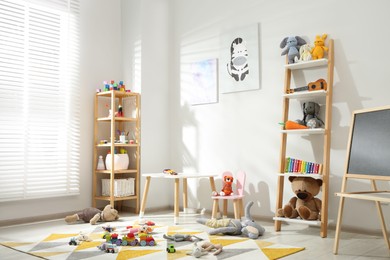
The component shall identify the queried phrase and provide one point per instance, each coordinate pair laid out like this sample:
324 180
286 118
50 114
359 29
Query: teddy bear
311 110
290 46
93 215
304 204
319 47
227 188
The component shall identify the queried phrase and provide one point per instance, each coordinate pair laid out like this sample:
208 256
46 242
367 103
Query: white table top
180 175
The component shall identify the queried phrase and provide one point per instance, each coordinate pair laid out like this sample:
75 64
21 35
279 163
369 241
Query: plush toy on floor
290 46
319 47
93 215
234 227
304 204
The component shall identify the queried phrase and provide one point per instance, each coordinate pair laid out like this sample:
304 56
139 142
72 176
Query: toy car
169 171
73 242
171 248
111 248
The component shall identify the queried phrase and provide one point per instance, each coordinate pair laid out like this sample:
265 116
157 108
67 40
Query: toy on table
182 237
311 111
234 227
290 46
319 47
304 204
93 215
169 171
227 188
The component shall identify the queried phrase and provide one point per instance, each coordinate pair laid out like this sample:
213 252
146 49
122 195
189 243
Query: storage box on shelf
325 98
117 140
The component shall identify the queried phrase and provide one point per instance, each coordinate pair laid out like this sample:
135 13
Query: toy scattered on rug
227 188
247 227
304 204
74 242
146 222
108 228
311 111
182 237
204 249
108 247
171 248
169 171
319 47
305 53
93 215
197 251
291 46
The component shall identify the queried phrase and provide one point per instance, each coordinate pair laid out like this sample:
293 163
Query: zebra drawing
238 65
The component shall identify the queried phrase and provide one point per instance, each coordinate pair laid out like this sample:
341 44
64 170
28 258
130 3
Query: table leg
185 197
144 196
176 205
212 185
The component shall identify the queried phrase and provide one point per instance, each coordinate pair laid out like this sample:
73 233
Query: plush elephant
290 46
234 227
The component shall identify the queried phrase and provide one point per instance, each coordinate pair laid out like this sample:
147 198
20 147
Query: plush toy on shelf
305 53
290 46
319 47
93 215
234 227
304 204
311 111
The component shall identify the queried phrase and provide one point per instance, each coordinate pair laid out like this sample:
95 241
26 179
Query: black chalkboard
369 152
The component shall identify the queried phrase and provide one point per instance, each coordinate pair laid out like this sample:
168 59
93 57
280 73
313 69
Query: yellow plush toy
319 47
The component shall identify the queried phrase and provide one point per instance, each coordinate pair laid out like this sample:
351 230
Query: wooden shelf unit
326 97
107 126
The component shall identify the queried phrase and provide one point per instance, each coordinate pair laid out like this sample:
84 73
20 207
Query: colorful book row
299 166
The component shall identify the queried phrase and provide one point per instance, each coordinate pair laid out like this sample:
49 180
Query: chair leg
236 209
215 209
225 206
241 208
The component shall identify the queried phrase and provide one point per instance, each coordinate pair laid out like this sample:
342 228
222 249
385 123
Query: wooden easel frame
373 195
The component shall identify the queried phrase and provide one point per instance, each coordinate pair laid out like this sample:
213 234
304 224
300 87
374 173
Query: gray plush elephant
291 47
234 227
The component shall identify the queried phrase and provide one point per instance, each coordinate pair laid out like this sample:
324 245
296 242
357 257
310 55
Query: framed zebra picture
239 68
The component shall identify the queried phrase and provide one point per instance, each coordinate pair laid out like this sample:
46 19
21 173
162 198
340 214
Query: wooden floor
352 246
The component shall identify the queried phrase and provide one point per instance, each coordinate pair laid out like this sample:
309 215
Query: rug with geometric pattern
56 246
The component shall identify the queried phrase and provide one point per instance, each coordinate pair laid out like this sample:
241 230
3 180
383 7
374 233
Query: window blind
39 99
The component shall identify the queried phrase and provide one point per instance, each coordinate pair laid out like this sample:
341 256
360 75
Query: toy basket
122 187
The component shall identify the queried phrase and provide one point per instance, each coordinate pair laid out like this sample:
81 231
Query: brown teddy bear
93 215
304 205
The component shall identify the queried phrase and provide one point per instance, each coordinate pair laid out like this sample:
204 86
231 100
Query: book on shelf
293 165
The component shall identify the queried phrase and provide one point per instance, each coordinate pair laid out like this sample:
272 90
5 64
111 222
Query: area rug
56 246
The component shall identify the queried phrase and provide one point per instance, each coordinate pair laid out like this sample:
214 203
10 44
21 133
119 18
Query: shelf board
122 119
116 172
117 145
116 198
305 131
311 175
307 64
306 94
299 221
117 93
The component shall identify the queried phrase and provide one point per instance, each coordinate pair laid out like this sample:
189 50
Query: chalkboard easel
367 158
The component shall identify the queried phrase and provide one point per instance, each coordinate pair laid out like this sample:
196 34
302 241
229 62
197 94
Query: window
39 100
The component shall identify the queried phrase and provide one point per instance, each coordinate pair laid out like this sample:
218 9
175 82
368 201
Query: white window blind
39 98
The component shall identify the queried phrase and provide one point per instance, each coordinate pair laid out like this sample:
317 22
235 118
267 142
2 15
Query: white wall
241 131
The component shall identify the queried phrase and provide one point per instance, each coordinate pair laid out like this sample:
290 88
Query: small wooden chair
237 197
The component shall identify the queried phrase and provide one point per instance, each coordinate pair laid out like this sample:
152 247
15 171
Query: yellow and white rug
56 246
